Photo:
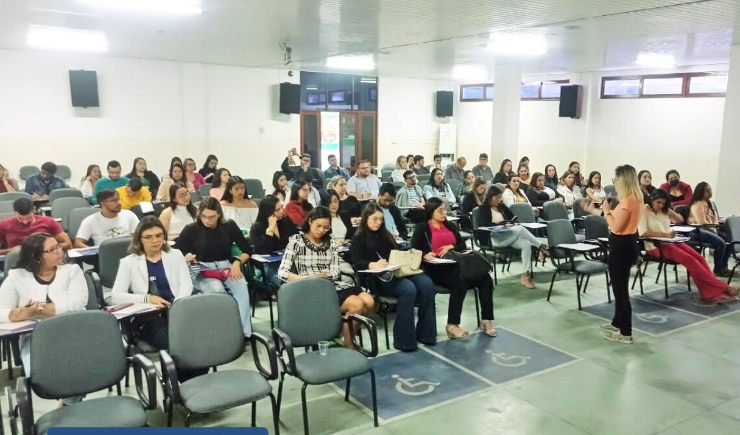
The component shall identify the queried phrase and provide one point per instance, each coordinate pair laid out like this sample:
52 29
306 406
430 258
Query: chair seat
466 235
439 290
390 300
223 390
340 363
115 411
586 267
580 237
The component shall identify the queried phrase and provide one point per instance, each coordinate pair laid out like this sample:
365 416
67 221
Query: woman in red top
298 207
435 237
679 191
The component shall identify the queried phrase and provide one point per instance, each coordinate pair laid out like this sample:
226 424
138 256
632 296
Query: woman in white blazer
40 287
153 273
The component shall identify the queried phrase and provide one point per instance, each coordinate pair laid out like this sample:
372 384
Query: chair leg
579 282
608 287
275 414
272 316
118 388
732 273
375 398
552 282
665 280
170 410
280 392
588 277
385 327
305 409
660 270
688 279
254 414
187 419
346 390
675 271
637 275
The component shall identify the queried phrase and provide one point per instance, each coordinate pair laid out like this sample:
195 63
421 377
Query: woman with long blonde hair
401 167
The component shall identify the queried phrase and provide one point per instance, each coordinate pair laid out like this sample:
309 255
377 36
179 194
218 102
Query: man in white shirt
110 223
364 185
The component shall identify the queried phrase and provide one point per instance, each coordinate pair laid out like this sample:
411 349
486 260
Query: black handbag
471 266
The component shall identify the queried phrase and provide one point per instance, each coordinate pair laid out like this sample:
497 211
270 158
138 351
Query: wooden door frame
358 130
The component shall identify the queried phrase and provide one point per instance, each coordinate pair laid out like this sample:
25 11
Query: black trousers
623 252
447 276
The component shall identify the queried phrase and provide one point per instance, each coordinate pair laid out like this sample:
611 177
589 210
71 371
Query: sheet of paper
146 207
578 246
534 225
134 309
453 218
677 239
496 229
683 229
388 268
14 326
440 261
267 258
83 252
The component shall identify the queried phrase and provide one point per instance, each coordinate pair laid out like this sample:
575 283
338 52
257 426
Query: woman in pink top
218 186
193 176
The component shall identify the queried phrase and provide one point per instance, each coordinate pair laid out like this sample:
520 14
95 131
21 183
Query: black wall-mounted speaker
570 101
290 98
84 88
444 103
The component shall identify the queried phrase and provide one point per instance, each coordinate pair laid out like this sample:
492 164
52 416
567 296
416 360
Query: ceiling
408 38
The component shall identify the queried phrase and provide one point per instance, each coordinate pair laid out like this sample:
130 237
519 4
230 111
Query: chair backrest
578 210
558 232
205 330
64 172
398 185
683 210
76 353
110 253
205 190
523 211
11 260
596 227
140 213
423 179
6 206
75 218
12 196
27 171
254 188
195 197
14 183
454 185
555 210
63 206
94 299
386 173
610 190
6 214
733 230
64 193
308 311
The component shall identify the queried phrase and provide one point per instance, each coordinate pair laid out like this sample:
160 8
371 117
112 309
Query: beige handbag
410 262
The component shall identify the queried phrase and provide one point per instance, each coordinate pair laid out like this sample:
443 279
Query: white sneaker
607 327
618 337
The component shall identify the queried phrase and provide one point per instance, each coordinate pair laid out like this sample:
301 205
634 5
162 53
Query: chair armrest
144 365
98 288
571 258
372 330
283 343
171 384
350 276
272 354
731 246
25 407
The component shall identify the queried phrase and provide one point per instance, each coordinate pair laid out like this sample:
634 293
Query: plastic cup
323 347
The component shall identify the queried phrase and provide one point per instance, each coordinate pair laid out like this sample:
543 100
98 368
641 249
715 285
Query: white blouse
338 229
244 217
570 196
180 218
68 290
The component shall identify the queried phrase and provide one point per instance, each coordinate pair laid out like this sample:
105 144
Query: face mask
674 183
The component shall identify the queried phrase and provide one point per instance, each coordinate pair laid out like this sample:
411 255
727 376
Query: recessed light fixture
469 72
312 88
655 60
66 39
361 62
368 80
192 7
519 45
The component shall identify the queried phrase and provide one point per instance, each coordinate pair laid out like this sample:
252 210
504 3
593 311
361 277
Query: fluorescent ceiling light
363 62
150 6
66 39
368 80
312 88
519 45
655 60
469 72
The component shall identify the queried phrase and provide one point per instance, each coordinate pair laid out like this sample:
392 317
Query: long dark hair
319 212
182 168
133 173
208 160
266 208
364 230
699 191
211 203
32 251
431 206
175 160
661 194
90 169
590 183
492 191
554 176
192 211
503 163
294 192
326 200
442 185
233 181
217 177
508 182
533 181
275 177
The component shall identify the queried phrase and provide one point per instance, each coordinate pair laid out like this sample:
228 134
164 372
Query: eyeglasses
209 218
53 249
153 237
323 228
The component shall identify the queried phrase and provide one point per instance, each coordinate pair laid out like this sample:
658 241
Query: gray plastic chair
11 260
110 253
610 190
305 321
596 227
454 185
68 192
205 190
523 211
64 172
205 331
195 198
63 206
27 171
733 232
6 214
254 188
481 240
59 371
12 196
6 206
422 179
75 218
561 232
556 210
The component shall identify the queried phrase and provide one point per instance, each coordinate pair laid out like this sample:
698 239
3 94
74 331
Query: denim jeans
237 289
271 273
416 290
721 253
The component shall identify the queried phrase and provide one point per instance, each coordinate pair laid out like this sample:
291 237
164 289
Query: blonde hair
334 181
398 162
626 182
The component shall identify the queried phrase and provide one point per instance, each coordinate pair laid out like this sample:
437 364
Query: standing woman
270 233
551 177
177 176
371 249
594 192
147 177
502 176
179 212
298 207
623 249
209 169
237 205
88 184
280 183
193 176
218 185
347 203
208 242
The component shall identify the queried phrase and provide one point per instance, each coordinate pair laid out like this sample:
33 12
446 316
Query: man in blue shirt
40 185
335 169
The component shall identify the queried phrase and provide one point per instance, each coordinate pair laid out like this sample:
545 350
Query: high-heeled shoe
455 331
487 327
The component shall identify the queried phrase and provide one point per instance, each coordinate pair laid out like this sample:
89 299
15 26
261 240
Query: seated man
457 171
133 193
391 214
334 169
114 180
438 162
40 185
364 185
110 223
419 168
15 229
294 173
483 170
411 198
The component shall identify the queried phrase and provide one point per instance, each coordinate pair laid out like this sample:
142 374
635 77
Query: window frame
686 77
487 85
475 85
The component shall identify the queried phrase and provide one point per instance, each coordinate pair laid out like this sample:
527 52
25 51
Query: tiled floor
683 381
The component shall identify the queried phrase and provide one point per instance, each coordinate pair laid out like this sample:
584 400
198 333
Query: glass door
367 145
347 139
310 135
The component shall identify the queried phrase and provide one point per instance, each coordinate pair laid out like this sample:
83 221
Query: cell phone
597 205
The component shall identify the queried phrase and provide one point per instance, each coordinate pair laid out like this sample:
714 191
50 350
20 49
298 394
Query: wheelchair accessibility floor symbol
504 360
411 387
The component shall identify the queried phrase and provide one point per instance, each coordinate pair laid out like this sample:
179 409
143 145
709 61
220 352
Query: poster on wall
329 137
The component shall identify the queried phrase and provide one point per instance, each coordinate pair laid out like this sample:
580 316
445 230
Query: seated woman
517 237
435 237
704 212
208 242
524 177
646 180
280 183
88 184
594 192
313 254
437 188
679 191
655 221
177 175
513 194
237 206
476 196
551 177
539 193
298 207
568 189
153 273
347 203
270 233
503 173
401 167
467 184
179 212
191 175
342 229
218 185
578 178
148 178
41 286
371 249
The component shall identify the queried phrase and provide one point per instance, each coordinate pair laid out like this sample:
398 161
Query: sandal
455 331
724 299
487 327
544 250
526 281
